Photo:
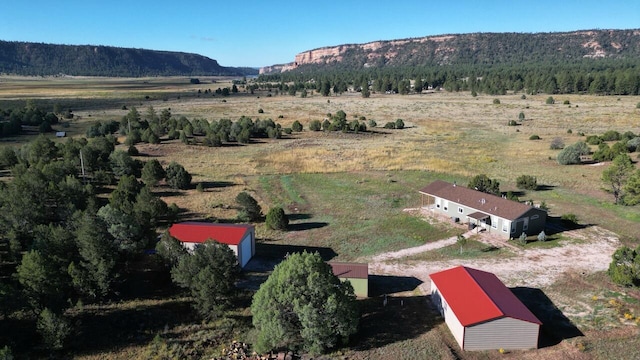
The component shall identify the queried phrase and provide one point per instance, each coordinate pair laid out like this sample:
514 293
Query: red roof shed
239 237
482 312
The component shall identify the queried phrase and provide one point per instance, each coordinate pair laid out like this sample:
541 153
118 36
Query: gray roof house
488 212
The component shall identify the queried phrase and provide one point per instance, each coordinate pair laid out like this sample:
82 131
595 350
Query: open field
346 192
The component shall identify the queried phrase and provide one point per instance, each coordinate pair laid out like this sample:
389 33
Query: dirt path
590 252
419 249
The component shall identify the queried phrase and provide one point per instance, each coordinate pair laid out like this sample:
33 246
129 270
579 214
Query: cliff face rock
476 48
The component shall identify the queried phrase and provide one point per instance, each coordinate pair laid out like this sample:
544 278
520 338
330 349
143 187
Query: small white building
481 312
241 238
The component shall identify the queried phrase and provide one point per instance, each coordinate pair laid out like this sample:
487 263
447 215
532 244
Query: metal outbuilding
481 312
241 238
356 273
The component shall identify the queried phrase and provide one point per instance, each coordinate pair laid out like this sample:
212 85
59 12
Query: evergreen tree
209 274
152 172
250 210
276 219
303 305
95 272
483 183
177 177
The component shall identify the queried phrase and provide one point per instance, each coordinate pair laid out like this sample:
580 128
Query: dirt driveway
531 267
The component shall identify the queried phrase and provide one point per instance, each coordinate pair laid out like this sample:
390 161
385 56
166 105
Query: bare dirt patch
531 268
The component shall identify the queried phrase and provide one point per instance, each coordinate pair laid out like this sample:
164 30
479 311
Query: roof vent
482 201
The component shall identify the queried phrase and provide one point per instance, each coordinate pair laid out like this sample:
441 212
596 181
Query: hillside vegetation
23 58
594 61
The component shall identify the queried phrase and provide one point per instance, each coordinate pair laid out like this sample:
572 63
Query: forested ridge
24 58
595 61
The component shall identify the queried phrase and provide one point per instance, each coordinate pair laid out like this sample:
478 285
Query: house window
533 217
446 205
505 226
460 210
494 223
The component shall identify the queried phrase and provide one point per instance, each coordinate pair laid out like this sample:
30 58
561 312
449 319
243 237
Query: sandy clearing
531 268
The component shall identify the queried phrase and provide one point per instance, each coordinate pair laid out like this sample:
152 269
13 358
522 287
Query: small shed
240 238
481 312
356 273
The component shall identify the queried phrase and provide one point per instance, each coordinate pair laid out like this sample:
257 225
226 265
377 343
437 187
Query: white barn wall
506 333
450 318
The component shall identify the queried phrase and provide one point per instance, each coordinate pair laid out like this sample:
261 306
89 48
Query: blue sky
260 33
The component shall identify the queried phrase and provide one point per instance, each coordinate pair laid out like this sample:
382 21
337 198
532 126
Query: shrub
571 154
390 125
483 183
633 144
550 100
260 111
611 135
277 219
511 196
542 237
527 182
372 123
177 177
569 131
315 125
622 270
512 123
523 97
399 124
638 105
496 101
566 102
296 126
521 116
133 151
523 239
569 218
54 329
593 140
200 187
534 137
250 210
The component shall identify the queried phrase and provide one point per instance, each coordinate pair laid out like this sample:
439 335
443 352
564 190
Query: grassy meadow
345 192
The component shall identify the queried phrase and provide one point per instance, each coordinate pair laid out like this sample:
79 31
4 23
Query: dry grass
344 179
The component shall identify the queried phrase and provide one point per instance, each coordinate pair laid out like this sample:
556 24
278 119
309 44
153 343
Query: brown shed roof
350 270
482 202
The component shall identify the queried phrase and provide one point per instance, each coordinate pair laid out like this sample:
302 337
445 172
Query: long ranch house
489 212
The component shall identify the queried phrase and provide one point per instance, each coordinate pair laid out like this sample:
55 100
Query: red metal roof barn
481 312
240 238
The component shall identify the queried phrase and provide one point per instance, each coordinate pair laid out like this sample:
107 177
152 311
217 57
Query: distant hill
471 49
24 58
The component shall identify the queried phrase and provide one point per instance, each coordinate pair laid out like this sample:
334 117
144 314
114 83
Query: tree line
600 77
60 242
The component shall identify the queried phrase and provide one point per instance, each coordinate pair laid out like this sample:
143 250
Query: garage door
245 250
